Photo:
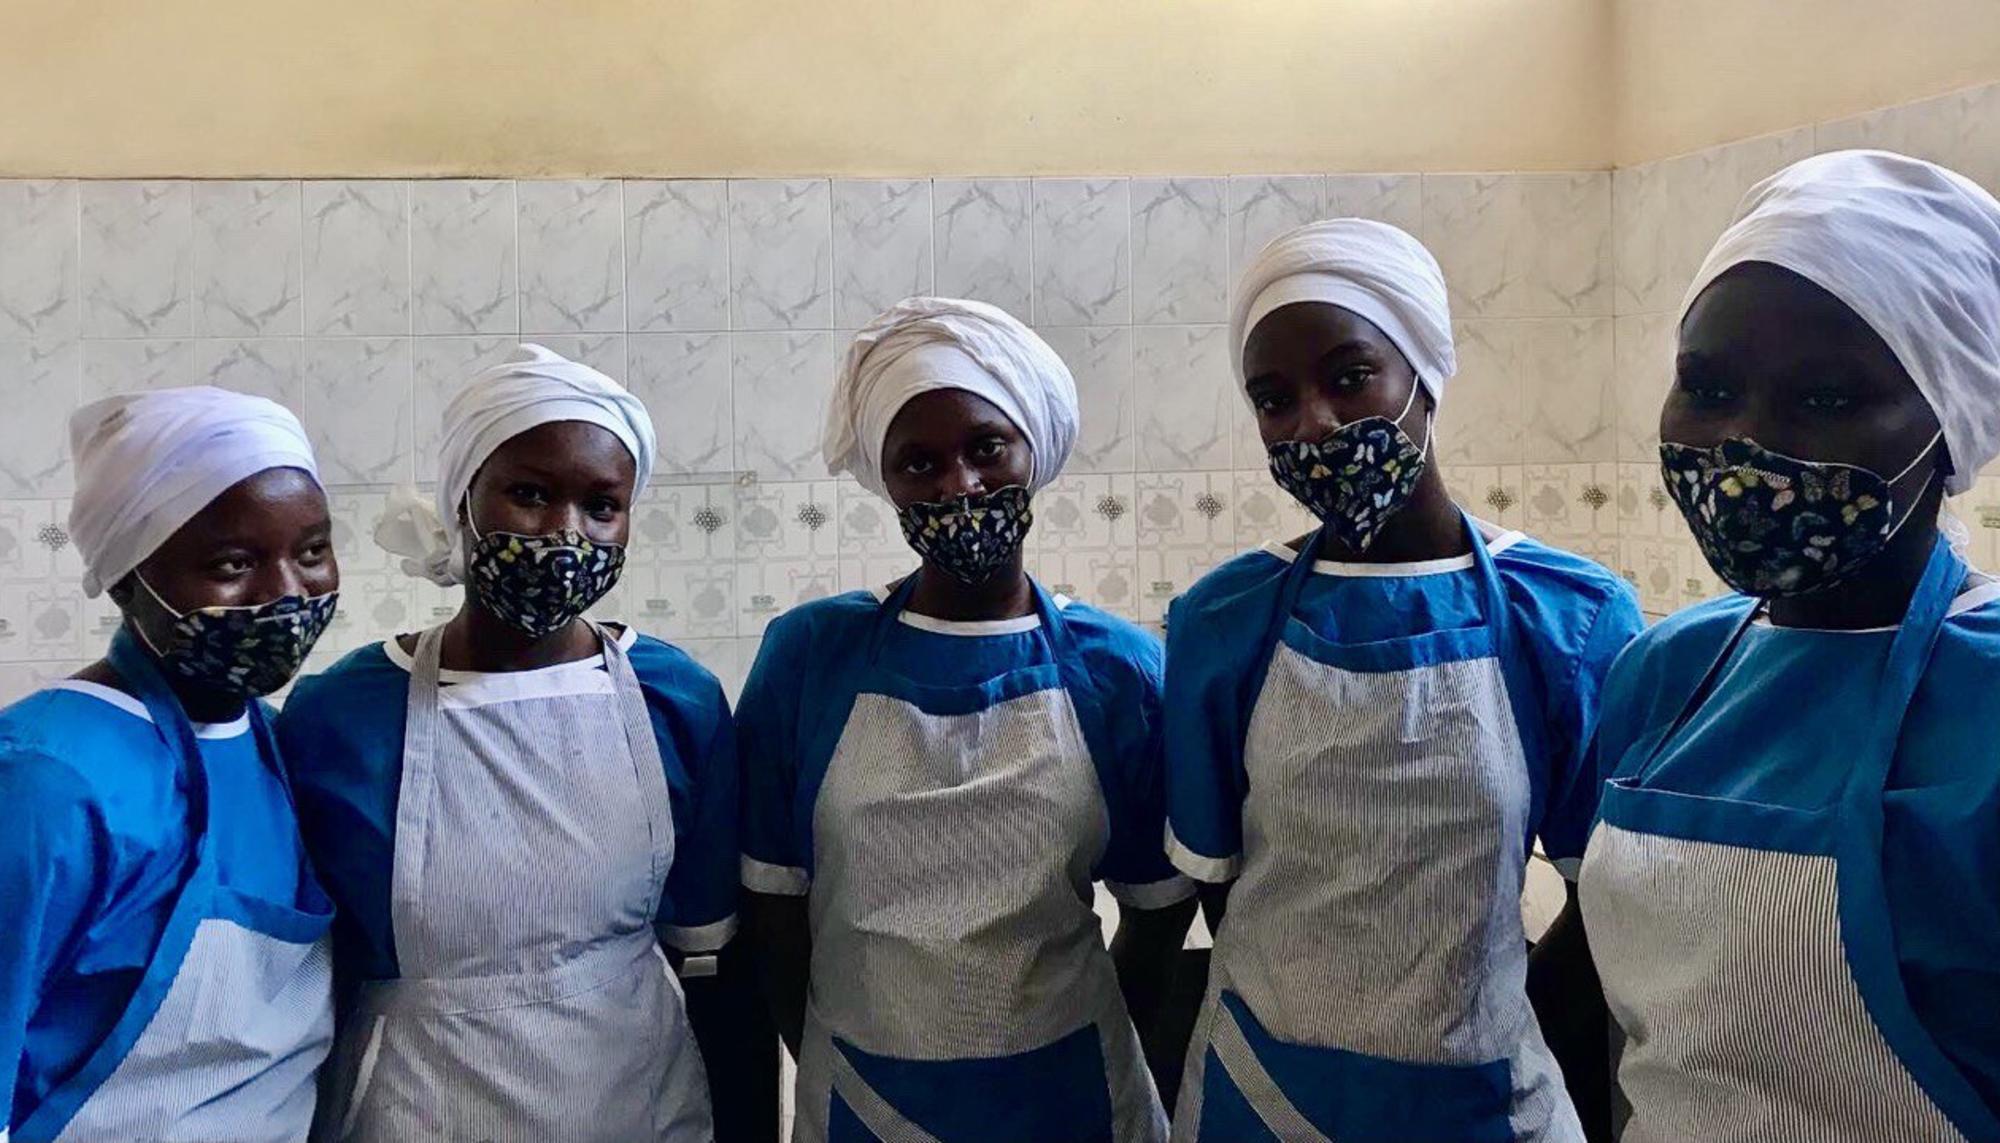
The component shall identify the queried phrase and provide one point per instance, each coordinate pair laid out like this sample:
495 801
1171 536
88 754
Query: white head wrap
146 463
1371 268
533 387
1910 247
921 344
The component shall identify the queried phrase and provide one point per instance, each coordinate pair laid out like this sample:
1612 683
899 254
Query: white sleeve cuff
701 938
1201 867
779 880
1153 894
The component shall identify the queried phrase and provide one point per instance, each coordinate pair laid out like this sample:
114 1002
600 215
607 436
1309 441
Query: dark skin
556 476
1311 367
265 537
943 445
1768 355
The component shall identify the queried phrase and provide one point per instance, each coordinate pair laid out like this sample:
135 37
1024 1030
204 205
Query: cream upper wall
1692 73
753 87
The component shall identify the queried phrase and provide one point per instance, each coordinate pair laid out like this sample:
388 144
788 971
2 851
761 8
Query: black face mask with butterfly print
1773 525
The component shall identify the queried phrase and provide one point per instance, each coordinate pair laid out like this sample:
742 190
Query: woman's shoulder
1112 642
1242 579
363 675
1558 574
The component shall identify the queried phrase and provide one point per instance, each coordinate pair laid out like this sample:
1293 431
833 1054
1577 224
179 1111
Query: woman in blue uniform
1367 730
164 967
1793 896
937 772
518 809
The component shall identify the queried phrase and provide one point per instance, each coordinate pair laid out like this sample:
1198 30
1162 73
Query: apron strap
1909 655
419 778
1260 1091
648 767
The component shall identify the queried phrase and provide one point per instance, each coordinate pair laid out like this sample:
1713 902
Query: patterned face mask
249 650
538 584
1358 477
970 537
1772 525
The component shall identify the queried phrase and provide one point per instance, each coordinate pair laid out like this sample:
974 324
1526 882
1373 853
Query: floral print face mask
1773 525
970 537
1357 478
248 651
538 584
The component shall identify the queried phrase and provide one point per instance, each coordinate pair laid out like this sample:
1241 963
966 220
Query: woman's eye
1354 378
989 449
1702 393
1268 403
527 494
602 509
1828 402
917 467
229 567
316 552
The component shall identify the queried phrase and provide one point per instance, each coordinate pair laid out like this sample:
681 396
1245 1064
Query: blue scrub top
94 860
810 658
1778 726
342 736
1571 616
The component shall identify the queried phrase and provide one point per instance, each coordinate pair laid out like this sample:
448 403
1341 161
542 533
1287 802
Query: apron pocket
1345 1095
1055 1093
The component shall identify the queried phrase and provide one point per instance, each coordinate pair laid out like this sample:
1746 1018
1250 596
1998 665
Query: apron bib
234 1013
533 839
1746 948
1369 982
961 990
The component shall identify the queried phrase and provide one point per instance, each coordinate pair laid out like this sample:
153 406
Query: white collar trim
1494 546
235 728
393 648
969 628
1985 591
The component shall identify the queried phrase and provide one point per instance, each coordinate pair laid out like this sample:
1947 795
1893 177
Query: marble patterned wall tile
1960 130
1644 367
39 230
572 237
1565 367
358 394
1522 245
1482 419
1261 207
1100 359
135 260
439 366
1395 199
464 256
982 241
881 246
43 384
780 389
684 378
781 254
248 258
1082 252
677 254
130 366
1184 397
1668 213
1180 251
356 257
266 366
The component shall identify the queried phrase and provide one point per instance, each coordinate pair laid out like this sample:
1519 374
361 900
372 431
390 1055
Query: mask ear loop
1921 489
1430 419
159 600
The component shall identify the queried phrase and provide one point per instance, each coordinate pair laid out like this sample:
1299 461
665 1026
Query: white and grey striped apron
1746 948
1369 981
234 1014
960 984
533 839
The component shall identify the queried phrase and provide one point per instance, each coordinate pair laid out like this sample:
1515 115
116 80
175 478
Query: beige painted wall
1692 73
752 87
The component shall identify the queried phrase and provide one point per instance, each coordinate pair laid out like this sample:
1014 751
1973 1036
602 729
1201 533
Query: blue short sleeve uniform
95 863
944 795
342 733
1368 752
1859 970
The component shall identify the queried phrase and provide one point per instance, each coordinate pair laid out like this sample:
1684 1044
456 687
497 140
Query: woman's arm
1145 950
778 940
1569 1003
